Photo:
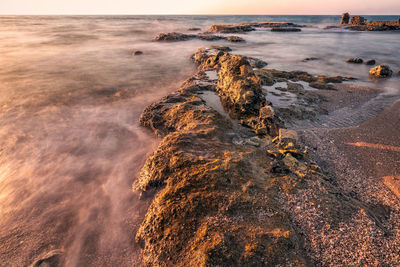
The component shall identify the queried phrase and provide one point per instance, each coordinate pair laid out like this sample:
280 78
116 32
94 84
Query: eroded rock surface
381 71
355 60
280 29
345 18
230 28
176 37
247 27
358 23
229 195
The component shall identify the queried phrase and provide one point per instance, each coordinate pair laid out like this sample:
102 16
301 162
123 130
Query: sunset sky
199 7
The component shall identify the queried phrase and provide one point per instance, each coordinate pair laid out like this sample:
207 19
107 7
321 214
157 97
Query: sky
267 7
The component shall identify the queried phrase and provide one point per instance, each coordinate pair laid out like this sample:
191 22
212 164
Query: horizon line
122 14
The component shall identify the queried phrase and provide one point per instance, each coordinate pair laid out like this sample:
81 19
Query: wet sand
364 162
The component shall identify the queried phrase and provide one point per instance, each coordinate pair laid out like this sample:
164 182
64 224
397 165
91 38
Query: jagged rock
194 29
345 18
283 76
210 37
381 71
246 27
286 135
370 27
267 112
295 88
329 27
227 28
370 62
275 24
322 86
221 202
358 20
333 79
221 48
310 59
360 24
270 76
239 87
256 63
283 29
354 60
174 36
235 39
137 53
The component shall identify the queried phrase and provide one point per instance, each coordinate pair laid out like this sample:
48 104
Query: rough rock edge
177 37
247 27
221 202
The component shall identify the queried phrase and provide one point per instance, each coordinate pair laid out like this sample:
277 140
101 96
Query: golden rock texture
226 193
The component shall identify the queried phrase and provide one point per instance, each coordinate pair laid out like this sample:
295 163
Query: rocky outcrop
310 59
358 20
381 71
370 62
210 37
345 18
271 76
256 63
281 29
359 23
239 87
247 27
230 28
235 39
137 53
176 36
229 195
173 37
354 60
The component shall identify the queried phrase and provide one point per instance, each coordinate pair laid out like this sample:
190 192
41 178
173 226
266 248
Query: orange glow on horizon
223 7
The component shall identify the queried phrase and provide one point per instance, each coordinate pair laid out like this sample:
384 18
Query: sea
71 94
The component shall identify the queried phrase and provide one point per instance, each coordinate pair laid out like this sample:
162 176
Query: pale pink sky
327 7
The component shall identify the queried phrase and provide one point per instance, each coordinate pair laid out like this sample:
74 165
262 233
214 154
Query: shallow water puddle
212 99
277 97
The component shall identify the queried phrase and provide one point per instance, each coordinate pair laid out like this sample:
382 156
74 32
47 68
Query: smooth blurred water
71 95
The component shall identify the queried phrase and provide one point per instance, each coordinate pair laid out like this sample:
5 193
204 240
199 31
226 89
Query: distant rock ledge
359 23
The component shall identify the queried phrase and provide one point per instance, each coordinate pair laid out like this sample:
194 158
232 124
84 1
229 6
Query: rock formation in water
381 71
176 37
370 62
247 27
345 18
281 29
359 23
226 28
234 188
358 20
355 60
